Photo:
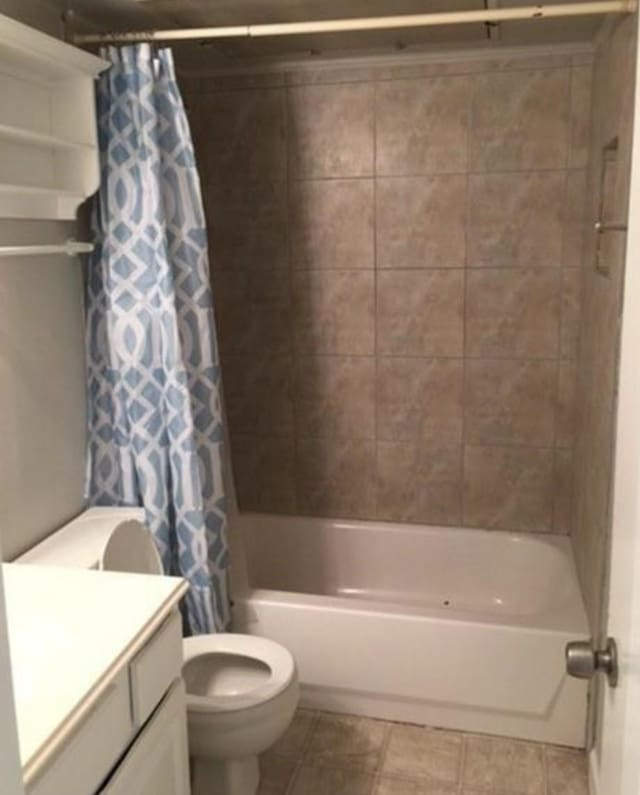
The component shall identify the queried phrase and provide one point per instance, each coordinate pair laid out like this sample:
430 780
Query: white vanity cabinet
96 663
157 762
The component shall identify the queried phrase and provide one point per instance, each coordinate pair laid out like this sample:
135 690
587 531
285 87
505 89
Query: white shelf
37 191
47 124
28 201
21 135
27 53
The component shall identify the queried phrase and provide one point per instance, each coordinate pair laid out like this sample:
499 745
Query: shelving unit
48 138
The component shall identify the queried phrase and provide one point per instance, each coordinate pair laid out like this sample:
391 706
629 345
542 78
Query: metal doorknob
583 661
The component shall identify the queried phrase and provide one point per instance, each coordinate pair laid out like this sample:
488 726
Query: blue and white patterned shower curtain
155 420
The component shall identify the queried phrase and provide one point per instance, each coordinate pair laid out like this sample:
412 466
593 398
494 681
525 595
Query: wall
38 13
395 257
613 85
42 401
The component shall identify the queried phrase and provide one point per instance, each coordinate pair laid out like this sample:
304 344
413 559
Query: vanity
96 668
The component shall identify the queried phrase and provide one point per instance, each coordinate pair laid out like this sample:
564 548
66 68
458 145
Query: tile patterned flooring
327 754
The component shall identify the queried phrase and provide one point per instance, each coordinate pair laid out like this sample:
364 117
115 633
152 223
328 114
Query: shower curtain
155 420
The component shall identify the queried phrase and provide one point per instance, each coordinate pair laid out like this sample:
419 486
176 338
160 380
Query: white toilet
242 691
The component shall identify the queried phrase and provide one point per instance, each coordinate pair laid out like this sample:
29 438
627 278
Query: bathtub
457 628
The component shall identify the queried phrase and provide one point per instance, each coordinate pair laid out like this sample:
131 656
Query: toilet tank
82 542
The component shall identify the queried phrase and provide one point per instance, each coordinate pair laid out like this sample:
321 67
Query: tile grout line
561 318
290 271
463 761
545 770
388 728
434 175
375 296
393 268
463 400
300 762
286 82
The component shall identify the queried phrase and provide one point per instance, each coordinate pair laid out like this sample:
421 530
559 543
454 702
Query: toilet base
224 777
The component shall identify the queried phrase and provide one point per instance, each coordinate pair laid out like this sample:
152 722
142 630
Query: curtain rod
71 248
367 23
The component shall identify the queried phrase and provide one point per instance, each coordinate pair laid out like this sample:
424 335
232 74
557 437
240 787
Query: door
157 763
616 759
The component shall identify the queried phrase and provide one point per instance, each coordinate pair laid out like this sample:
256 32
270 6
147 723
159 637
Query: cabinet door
157 763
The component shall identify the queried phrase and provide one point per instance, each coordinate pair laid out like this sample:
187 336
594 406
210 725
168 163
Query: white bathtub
448 627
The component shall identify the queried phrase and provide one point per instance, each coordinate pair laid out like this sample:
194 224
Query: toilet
242 690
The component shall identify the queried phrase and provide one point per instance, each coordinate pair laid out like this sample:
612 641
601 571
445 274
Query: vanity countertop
70 632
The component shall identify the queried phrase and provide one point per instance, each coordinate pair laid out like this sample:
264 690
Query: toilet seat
281 665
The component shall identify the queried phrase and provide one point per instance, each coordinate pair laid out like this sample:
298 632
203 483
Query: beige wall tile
429 754
331 223
574 254
430 220
504 765
258 394
516 220
566 419
508 488
420 222
421 126
563 492
571 302
245 136
581 78
334 397
331 74
222 82
336 477
566 772
330 781
333 312
419 399
510 402
346 741
513 312
330 130
263 468
418 482
247 226
419 312
520 120
252 312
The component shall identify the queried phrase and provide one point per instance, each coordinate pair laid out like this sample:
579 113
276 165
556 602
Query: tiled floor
324 754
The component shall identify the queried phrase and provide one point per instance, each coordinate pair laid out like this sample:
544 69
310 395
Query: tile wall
395 259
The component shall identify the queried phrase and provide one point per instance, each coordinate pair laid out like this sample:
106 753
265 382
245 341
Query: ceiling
111 15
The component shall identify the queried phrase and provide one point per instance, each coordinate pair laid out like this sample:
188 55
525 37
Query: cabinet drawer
88 755
157 763
154 669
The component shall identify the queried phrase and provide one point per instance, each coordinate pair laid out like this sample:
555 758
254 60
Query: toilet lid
131 548
261 670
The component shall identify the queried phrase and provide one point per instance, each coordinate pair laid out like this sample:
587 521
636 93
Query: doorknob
583 661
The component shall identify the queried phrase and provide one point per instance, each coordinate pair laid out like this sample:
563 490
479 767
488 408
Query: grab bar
603 226
71 248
